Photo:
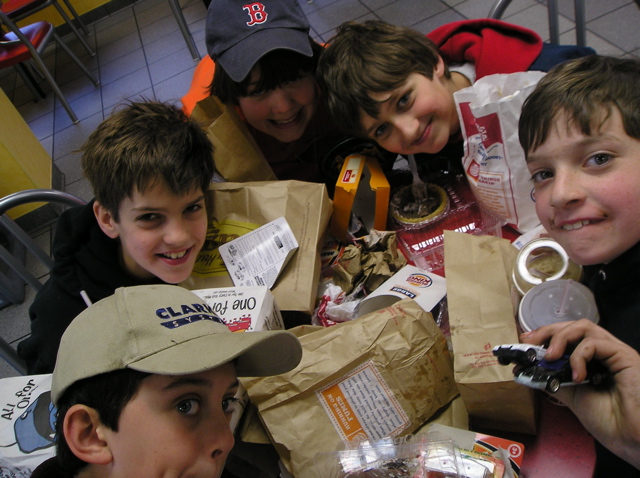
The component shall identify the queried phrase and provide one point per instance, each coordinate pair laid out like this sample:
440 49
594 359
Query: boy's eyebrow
583 142
183 381
151 208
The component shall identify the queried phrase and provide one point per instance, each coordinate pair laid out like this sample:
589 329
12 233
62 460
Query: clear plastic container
423 244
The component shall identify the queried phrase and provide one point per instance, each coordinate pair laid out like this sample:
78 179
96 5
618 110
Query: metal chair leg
184 28
554 36
56 89
30 81
498 8
11 357
77 33
76 17
64 46
581 22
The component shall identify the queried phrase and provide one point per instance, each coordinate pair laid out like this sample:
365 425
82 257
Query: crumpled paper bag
236 154
381 375
305 206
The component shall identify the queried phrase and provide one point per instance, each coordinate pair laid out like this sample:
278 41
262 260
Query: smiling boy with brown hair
149 166
580 130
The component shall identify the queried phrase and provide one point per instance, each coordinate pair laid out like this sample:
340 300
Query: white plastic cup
556 301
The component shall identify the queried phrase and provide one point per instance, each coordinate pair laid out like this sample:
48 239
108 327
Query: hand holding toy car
611 415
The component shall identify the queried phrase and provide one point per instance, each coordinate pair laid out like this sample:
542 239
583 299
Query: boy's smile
418 117
586 188
160 233
176 426
283 112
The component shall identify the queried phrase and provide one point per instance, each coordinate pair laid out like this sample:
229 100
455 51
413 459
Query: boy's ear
439 70
83 432
105 220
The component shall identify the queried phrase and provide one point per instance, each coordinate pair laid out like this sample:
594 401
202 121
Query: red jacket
492 45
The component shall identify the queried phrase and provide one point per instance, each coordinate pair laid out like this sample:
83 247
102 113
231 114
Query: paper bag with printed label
238 208
382 375
237 156
481 315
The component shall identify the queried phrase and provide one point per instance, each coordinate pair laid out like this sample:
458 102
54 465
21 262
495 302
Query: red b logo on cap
256 12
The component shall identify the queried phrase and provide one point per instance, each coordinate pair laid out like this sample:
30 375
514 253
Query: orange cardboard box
361 185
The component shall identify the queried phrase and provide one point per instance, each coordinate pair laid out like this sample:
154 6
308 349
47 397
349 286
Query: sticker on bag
493 159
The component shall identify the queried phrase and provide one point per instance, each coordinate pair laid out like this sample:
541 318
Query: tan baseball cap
166 330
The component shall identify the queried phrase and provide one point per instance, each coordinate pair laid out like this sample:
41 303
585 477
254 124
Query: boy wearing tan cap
144 385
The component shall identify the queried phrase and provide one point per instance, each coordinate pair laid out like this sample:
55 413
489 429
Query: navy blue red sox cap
239 33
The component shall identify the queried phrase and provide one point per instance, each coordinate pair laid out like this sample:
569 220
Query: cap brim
258 354
238 60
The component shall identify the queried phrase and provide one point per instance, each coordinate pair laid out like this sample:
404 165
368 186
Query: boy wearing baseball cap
262 61
144 385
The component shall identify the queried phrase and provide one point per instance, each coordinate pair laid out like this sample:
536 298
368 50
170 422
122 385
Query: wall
52 15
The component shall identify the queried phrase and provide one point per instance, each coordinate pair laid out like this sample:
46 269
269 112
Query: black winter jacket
84 259
616 287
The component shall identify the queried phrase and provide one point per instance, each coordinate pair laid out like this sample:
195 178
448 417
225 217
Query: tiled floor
141 53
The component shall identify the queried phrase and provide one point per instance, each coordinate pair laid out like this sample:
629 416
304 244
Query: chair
498 8
7 352
18 10
27 43
184 28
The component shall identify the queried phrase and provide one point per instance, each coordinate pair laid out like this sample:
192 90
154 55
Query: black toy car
551 375
521 354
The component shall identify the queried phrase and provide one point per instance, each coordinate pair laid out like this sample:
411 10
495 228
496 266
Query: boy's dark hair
586 90
370 57
276 68
142 144
107 393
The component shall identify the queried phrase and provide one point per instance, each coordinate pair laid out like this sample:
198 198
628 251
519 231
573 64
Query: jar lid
556 301
541 260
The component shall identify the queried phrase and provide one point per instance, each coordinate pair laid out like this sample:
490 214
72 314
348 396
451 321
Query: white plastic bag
493 158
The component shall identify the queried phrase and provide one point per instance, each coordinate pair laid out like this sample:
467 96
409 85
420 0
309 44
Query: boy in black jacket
580 130
149 166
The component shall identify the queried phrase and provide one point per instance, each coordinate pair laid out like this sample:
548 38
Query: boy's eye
599 159
404 100
194 207
257 92
229 405
540 176
190 406
381 130
150 217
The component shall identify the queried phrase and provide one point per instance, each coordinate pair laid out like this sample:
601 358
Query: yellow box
363 189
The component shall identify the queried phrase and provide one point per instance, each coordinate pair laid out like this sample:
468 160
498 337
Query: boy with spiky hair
149 166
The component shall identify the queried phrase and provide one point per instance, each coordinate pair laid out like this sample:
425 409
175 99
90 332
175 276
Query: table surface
562 446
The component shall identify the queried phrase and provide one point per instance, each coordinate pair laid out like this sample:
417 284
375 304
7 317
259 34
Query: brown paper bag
481 316
305 206
236 154
381 375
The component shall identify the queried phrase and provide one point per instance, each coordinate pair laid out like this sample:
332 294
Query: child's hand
611 415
